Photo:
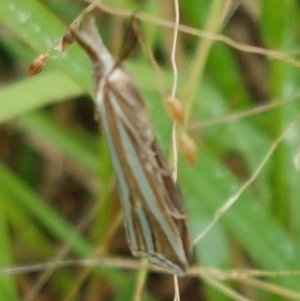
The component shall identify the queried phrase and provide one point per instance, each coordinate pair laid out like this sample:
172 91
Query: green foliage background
263 225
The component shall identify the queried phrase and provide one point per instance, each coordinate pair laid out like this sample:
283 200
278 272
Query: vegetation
57 194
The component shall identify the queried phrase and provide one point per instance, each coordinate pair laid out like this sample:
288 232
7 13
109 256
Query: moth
154 218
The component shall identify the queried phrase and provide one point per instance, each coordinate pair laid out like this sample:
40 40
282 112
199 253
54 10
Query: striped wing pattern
154 219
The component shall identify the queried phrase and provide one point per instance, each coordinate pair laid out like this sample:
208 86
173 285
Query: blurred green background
57 193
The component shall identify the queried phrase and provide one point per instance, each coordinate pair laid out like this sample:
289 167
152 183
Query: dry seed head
37 64
175 109
67 40
188 148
